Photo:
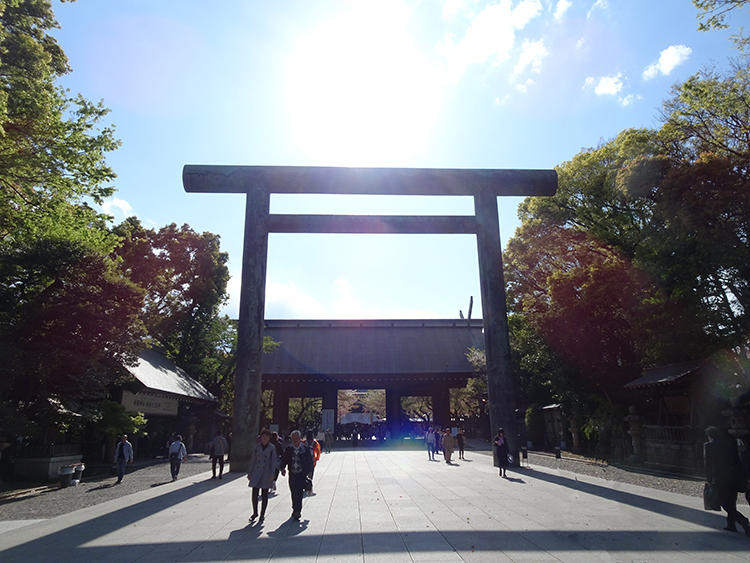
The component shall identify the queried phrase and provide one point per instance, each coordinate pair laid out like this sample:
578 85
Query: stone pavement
382 505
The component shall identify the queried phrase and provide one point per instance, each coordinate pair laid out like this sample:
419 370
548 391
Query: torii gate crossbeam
259 182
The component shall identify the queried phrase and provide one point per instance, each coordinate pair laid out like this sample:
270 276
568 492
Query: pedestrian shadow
100 487
251 531
160 484
289 528
515 480
664 508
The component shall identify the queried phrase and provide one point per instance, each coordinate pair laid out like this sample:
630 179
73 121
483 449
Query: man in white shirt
429 442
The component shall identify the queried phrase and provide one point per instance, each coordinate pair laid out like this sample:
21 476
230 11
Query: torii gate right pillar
501 384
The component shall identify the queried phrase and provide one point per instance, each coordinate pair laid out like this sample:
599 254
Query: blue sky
453 84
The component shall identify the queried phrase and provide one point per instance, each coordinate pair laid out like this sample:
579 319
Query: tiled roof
663 375
158 373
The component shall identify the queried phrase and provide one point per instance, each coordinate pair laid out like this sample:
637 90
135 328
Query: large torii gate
259 182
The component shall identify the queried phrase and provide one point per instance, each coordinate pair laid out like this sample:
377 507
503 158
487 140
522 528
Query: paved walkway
390 506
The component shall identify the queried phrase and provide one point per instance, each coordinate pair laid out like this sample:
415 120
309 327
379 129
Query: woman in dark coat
723 470
501 449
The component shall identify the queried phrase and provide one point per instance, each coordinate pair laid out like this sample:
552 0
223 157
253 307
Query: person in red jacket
314 446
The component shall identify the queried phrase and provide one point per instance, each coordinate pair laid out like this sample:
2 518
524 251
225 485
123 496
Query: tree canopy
641 258
68 315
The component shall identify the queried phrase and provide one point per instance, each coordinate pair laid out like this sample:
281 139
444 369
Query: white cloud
489 37
116 203
598 5
451 8
669 59
630 99
561 8
605 85
580 43
609 85
284 300
523 87
532 54
502 101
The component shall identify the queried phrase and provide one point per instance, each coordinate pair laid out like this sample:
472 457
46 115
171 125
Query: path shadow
693 515
247 544
73 537
20 498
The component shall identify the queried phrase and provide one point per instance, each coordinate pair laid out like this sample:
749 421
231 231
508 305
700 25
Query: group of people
271 458
176 452
437 439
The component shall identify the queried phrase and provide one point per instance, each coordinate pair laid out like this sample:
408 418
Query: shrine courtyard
386 505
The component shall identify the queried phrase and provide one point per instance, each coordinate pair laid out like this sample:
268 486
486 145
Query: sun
359 92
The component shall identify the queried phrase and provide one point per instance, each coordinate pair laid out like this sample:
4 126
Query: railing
672 434
51 450
677 448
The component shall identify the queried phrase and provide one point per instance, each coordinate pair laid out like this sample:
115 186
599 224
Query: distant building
172 401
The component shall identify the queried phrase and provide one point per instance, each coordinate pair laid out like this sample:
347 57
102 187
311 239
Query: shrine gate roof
372 347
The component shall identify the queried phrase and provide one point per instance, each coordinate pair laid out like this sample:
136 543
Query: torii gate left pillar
258 182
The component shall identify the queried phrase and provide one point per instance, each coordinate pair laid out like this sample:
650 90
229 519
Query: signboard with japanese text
149 404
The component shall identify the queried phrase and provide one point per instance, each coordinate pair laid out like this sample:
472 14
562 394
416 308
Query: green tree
68 318
713 13
184 275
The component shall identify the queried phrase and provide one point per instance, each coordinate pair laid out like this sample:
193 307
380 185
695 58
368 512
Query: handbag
711 497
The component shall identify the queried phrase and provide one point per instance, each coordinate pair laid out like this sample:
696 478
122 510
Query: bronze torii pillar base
258 182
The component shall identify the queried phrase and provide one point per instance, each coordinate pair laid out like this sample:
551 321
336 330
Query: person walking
448 443
123 456
314 446
298 459
218 448
460 442
177 453
724 471
328 440
429 442
261 473
501 450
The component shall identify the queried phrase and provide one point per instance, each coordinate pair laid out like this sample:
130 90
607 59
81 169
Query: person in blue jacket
123 456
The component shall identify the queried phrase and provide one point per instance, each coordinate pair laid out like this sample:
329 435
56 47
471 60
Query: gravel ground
46 502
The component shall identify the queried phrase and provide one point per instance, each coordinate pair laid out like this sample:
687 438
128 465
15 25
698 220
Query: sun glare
359 92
